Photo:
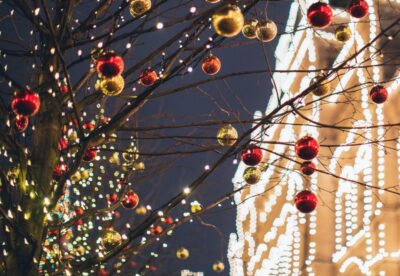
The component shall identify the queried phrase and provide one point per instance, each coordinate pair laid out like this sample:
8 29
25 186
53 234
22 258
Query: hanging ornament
111 86
211 65
252 175
114 158
323 88
130 200
320 15
90 155
141 211
306 201
21 122
168 220
110 239
228 21
307 168
378 94
63 89
195 207
156 230
139 7
343 33
113 198
76 177
251 155
25 102
307 148
227 135
102 272
62 144
358 8
266 30
60 170
249 28
89 126
182 253
218 266
148 77
79 211
109 64
85 174
130 154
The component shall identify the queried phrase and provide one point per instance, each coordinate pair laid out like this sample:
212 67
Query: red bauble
211 65
378 94
102 272
79 222
79 211
130 200
21 123
148 77
308 168
251 155
64 89
358 8
25 102
109 65
62 144
59 170
320 15
306 201
113 198
156 230
169 220
307 148
89 126
90 155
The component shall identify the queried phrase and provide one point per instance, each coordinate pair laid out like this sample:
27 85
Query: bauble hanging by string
252 175
266 30
358 8
343 33
211 65
62 144
60 170
156 230
322 88
251 155
249 28
112 198
111 86
227 135
109 64
182 253
307 148
21 122
141 211
79 211
378 94
76 177
168 220
228 21
148 77
130 154
25 102
306 201
130 200
218 267
139 7
90 155
320 15
307 168
138 166
110 239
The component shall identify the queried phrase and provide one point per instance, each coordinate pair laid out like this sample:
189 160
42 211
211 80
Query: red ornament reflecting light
148 77
79 211
308 168
25 102
378 94
21 123
90 155
169 220
307 148
358 8
251 155
211 65
62 144
109 65
113 198
156 230
320 15
306 201
130 200
59 170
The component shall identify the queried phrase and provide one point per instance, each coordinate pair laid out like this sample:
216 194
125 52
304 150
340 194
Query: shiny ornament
110 239
211 65
148 77
85 174
252 175
88 126
21 122
62 144
218 267
130 200
358 8
130 154
266 30
156 230
63 89
322 88
25 102
249 28
141 211
195 207
60 170
251 155
182 253
307 168
90 155
378 94
306 201
139 7
168 220
114 158
307 148
343 33
79 211
228 21
111 86
320 15
213 1
138 166
227 135
76 177
113 198
109 64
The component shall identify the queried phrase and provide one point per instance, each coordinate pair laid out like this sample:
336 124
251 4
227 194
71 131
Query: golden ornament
343 33
111 239
227 135
141 211
127 167
114 158
195 207
252 175
266 30
76 177
139 7
130 154
213 1
323 88
228 21
139 166
249 28
182 253
218 266
111 86
85 174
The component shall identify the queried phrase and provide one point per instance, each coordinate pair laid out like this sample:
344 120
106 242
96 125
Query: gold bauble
182 253
139 166
141 211
130 154
127 167
73 135
114 158
195 207
227 135
218 267
228 21
76 177
249 28
323 88
85 174
139 7
112 86
343 33
252 175
266 30
111 239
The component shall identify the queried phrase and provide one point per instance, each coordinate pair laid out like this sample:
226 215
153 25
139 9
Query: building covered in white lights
355 230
